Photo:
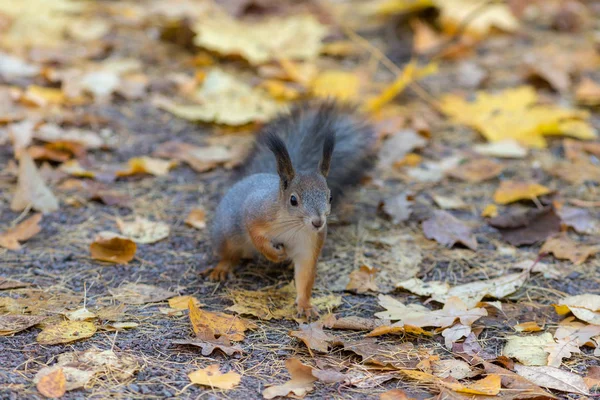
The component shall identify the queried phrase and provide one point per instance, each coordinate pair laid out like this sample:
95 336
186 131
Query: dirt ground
57 260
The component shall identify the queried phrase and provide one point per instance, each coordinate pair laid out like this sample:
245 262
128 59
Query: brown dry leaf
425 38
550 69
398 146
340 85
477 170
553 378
66 331
147 165
142 230
139 293
23 231
218 324
212 377
11 284
588 92
313 337
295 37
273 303
521 387
577 172
299 385
563 348
448 230
592 380
527 227
529 326
10 324
112 247
564 248
530 350
398 207
53 385
182 302
583 333
454 334
586 307
493 16
362 280
580 219
511 191
395 394
204 158
197 218
420 316
209 343
31 189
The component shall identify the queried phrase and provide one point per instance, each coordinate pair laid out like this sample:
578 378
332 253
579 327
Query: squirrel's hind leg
229 258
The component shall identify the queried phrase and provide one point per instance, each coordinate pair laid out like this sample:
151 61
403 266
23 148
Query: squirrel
300 166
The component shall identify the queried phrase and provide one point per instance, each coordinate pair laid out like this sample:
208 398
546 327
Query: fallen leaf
276 303
456 369
394 394
299 385
142 230
31 189
398 207
362 280
586 307
527 227
81 314
521 387
224 99
553 378
147 165
579 219
340 85
488 386
53 385
23 231
454 13
576 172
426 39
529 326
530 350
417 286
476 170
449 203
66 331
197 218
420 316
10 324
111 247
11 284
182 302
387 329
213 377
583 333
549 69
139 293
455 333
398 146
313 337
217 324
592 380
508 148
564 248
513 114
208 344
563 348
53 133
448 230
511 191
588 92
296 37
490 211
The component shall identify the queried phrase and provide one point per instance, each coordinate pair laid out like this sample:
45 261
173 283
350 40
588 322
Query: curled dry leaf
476 170
66 331
211 376
218 324
147 165
313 337
299 385
53 385
511 191
448 230
527 227
114 248
529 326
139 293
553 378
10 324
586 307
566 249
23 231
197 218
142 230
362 280
31 189
530 350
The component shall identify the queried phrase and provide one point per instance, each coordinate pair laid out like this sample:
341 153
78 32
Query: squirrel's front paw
278 253
305 309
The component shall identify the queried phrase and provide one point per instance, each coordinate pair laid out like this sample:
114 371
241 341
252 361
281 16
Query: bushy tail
304 130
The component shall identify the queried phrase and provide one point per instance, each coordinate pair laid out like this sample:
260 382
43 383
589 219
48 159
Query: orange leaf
53 385
108 246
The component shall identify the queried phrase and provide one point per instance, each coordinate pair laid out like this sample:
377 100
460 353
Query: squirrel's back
303 131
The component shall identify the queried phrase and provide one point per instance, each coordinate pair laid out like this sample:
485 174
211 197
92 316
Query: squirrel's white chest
299 244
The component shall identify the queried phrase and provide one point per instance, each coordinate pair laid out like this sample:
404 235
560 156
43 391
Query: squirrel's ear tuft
285 169
328 147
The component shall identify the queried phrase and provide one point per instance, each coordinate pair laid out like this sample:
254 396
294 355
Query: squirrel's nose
317 222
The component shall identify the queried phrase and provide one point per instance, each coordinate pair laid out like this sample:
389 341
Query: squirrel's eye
293 201
330 199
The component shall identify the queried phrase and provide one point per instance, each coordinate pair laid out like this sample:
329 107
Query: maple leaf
564 248
300 384
206 323
313 337
362 280
563 348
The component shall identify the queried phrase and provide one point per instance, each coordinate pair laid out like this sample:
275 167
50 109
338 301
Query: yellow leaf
513 114
410 74
390 7
297 37
40 96
488 386
66 331
209 323
197 218
111 247
73 168
211 376
340 85
529 350
279 90
147 165
511 191
490 211
142 230
494 15
181 302
53 385
530 326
